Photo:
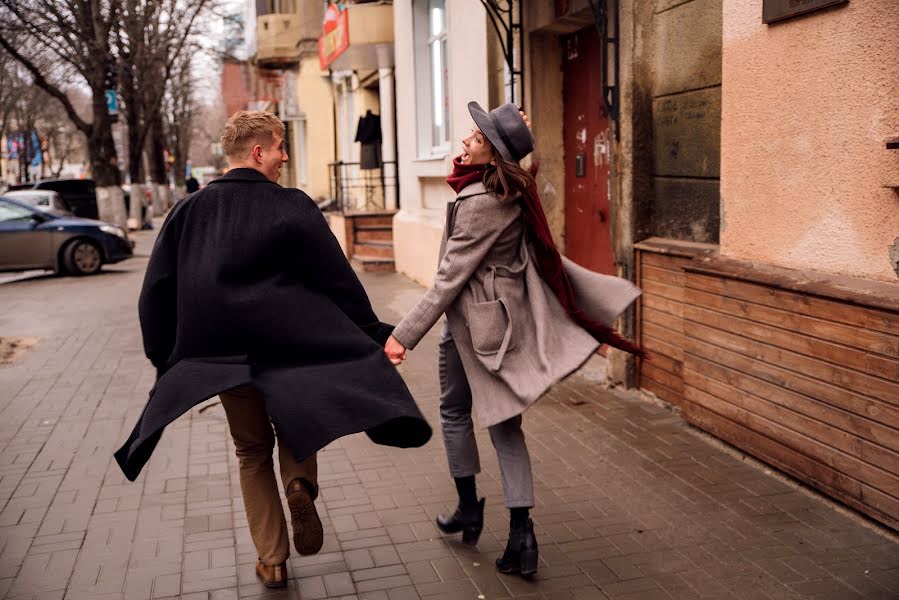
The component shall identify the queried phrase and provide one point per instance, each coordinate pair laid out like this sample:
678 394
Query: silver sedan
44 200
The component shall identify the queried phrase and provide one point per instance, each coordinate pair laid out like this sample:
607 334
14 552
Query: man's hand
395 351
525 118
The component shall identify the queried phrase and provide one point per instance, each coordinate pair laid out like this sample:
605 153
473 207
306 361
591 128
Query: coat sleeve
479 222
330 272
158 303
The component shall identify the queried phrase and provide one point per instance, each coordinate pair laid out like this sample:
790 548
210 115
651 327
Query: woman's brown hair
507 180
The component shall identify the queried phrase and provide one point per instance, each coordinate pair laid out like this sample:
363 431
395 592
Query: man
248 296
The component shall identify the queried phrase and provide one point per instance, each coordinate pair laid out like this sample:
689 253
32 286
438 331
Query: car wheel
82 257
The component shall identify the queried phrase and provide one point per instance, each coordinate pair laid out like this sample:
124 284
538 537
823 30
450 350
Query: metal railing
359 189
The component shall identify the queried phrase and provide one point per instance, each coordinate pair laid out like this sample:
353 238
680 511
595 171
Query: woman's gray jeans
458 432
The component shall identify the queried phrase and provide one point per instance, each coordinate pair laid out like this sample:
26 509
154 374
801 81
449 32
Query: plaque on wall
777 10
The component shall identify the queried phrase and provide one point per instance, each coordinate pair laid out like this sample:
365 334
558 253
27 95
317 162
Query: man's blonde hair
248 128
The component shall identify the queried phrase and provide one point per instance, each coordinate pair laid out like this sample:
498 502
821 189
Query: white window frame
427 107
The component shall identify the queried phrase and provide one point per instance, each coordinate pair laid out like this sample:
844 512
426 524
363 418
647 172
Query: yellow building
287 34
332 68
356 50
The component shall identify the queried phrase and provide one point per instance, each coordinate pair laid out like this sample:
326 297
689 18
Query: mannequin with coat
519 318
368 134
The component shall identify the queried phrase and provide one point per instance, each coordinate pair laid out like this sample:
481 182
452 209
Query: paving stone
630 504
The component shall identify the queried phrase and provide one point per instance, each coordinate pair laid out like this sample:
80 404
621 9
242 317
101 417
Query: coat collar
475 189
243 174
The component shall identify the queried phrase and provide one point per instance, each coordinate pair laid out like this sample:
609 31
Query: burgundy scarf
548 259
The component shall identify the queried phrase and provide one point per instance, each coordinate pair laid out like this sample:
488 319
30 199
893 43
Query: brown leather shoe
308 535
272 577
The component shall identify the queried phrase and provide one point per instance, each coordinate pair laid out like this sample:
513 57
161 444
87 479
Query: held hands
395 351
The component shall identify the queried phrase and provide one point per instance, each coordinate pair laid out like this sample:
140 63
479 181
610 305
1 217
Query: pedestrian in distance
191 185
248 296
519 318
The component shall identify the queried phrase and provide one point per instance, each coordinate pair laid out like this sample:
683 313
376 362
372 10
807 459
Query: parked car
78 195
34 239
45 200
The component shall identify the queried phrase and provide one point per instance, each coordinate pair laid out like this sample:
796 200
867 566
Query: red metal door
588 240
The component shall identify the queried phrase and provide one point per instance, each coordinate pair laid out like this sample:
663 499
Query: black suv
79 195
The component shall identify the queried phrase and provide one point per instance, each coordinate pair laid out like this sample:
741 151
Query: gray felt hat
505 129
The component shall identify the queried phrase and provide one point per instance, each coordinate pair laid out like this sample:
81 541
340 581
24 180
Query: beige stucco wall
807 106
314 94
423 193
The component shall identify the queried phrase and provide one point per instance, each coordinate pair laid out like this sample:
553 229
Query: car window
69 186
50 185
10 212
80 187
31 198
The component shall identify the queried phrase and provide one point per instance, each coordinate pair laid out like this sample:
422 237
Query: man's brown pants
254 440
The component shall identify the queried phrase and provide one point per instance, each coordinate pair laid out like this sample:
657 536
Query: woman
516 321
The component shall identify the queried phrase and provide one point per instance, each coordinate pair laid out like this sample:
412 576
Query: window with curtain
432 76
439 72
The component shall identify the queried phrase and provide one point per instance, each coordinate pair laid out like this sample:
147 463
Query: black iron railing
354 188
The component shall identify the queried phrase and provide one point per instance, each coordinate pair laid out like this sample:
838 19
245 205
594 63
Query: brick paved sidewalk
632 504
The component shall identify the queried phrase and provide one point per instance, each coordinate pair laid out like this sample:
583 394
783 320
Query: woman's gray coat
514 337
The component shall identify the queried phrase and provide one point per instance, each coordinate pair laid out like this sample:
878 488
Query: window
432 76
11 212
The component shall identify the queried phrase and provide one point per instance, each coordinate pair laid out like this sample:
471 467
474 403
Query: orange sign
335 36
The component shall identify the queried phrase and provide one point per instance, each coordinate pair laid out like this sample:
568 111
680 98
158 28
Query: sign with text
777 10
335 37
112 102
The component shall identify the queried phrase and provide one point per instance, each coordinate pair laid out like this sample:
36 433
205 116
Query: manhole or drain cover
12 348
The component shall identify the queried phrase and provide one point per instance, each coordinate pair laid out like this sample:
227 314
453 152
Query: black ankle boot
521 551
470 524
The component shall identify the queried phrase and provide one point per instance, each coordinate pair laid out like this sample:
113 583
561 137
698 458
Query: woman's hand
525 118
395 351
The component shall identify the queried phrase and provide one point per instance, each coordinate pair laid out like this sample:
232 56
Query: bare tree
152 36
58 42
180 108
35 121
62 143
10 89
205 147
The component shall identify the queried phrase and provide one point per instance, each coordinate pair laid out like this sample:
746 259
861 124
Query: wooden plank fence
799 370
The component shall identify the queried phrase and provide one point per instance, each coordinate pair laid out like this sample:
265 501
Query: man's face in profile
270 159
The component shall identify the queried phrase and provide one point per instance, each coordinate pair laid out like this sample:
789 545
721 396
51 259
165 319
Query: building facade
284 77
735 160
441 50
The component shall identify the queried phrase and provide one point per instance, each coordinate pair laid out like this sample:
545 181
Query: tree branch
41 82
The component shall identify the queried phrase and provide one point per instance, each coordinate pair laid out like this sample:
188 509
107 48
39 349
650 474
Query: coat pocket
490 325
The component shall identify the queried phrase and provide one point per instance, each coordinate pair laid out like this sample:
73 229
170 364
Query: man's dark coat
246 284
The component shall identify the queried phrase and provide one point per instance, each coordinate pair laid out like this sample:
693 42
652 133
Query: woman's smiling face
476 149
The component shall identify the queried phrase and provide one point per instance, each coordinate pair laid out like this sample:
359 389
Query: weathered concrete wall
685 57
546 109
808 104
687 54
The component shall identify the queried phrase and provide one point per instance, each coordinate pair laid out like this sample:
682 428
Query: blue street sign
112 102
